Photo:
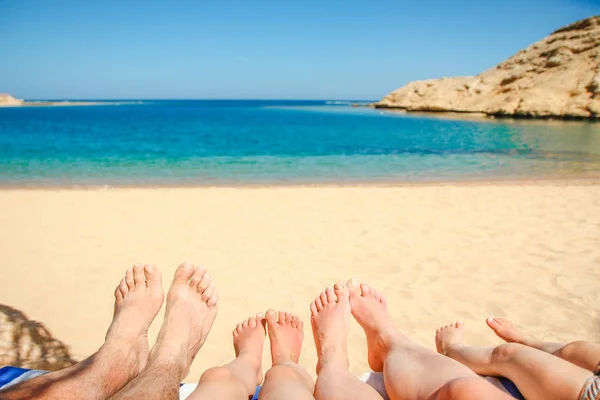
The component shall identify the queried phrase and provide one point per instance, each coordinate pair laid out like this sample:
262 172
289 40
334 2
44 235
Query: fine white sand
530 252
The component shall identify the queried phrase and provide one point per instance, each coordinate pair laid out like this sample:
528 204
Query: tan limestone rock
557 77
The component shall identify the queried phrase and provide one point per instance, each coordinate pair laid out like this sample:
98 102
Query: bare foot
138 298
248 341
506 330
190 312
330 316
370 310
449 335
286 336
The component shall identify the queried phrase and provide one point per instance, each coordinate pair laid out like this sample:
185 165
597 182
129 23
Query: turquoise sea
270 142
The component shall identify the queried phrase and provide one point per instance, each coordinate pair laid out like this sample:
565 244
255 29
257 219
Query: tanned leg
123 355
411 371
581 353
286 380
537 374
190 312
330 316
239 378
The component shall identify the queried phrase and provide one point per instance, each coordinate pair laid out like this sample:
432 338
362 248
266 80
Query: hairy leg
286 380
239 378
581 353
190 312
124 354
411 371
330 316
537 374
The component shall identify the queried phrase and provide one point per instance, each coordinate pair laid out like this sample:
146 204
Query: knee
217 374
466 388
226 381
506 352
289 373
570 348
279 372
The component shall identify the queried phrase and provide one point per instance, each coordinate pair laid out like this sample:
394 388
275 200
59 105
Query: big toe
271 317
353 287
184 273
497 323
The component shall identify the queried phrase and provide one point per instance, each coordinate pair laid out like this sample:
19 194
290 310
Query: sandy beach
530 252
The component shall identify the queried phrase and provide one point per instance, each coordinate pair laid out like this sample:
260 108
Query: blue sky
260 49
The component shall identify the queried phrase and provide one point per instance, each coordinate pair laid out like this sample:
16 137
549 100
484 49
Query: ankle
170 357
333 362
452 349
250 358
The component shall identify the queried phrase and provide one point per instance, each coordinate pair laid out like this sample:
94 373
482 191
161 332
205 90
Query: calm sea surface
231 142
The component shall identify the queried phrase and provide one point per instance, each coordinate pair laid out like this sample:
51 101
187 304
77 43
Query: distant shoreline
64 103
525 181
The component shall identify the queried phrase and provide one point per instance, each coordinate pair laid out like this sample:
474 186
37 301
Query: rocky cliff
557 77
28 344
8 100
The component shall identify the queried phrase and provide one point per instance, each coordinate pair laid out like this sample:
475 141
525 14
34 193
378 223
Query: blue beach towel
12 375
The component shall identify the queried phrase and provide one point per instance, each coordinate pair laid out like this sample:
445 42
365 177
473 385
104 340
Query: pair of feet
330 317
453 335
190 312
285 332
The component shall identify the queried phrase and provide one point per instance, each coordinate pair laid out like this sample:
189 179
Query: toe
323 297
208 293
197 277
330 295
459 324
271 317
129 279
318 303
204 283
281 317
313 309
365 289
341 292
493 322
118 295
245 324
294 321
252 322
288 317
213 300
138 275
239 328
183 273
123 288
300 325
153 277
353 287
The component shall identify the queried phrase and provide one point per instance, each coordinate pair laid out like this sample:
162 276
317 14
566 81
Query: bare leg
190 313
239 378
123 355
411 371
286 380
537 374
581 353
330 316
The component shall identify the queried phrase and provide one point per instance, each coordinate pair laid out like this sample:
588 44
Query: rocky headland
557 77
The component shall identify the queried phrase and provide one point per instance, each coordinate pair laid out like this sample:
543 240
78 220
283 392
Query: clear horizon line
186 99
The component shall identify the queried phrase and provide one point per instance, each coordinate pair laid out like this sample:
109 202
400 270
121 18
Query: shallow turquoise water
230 142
